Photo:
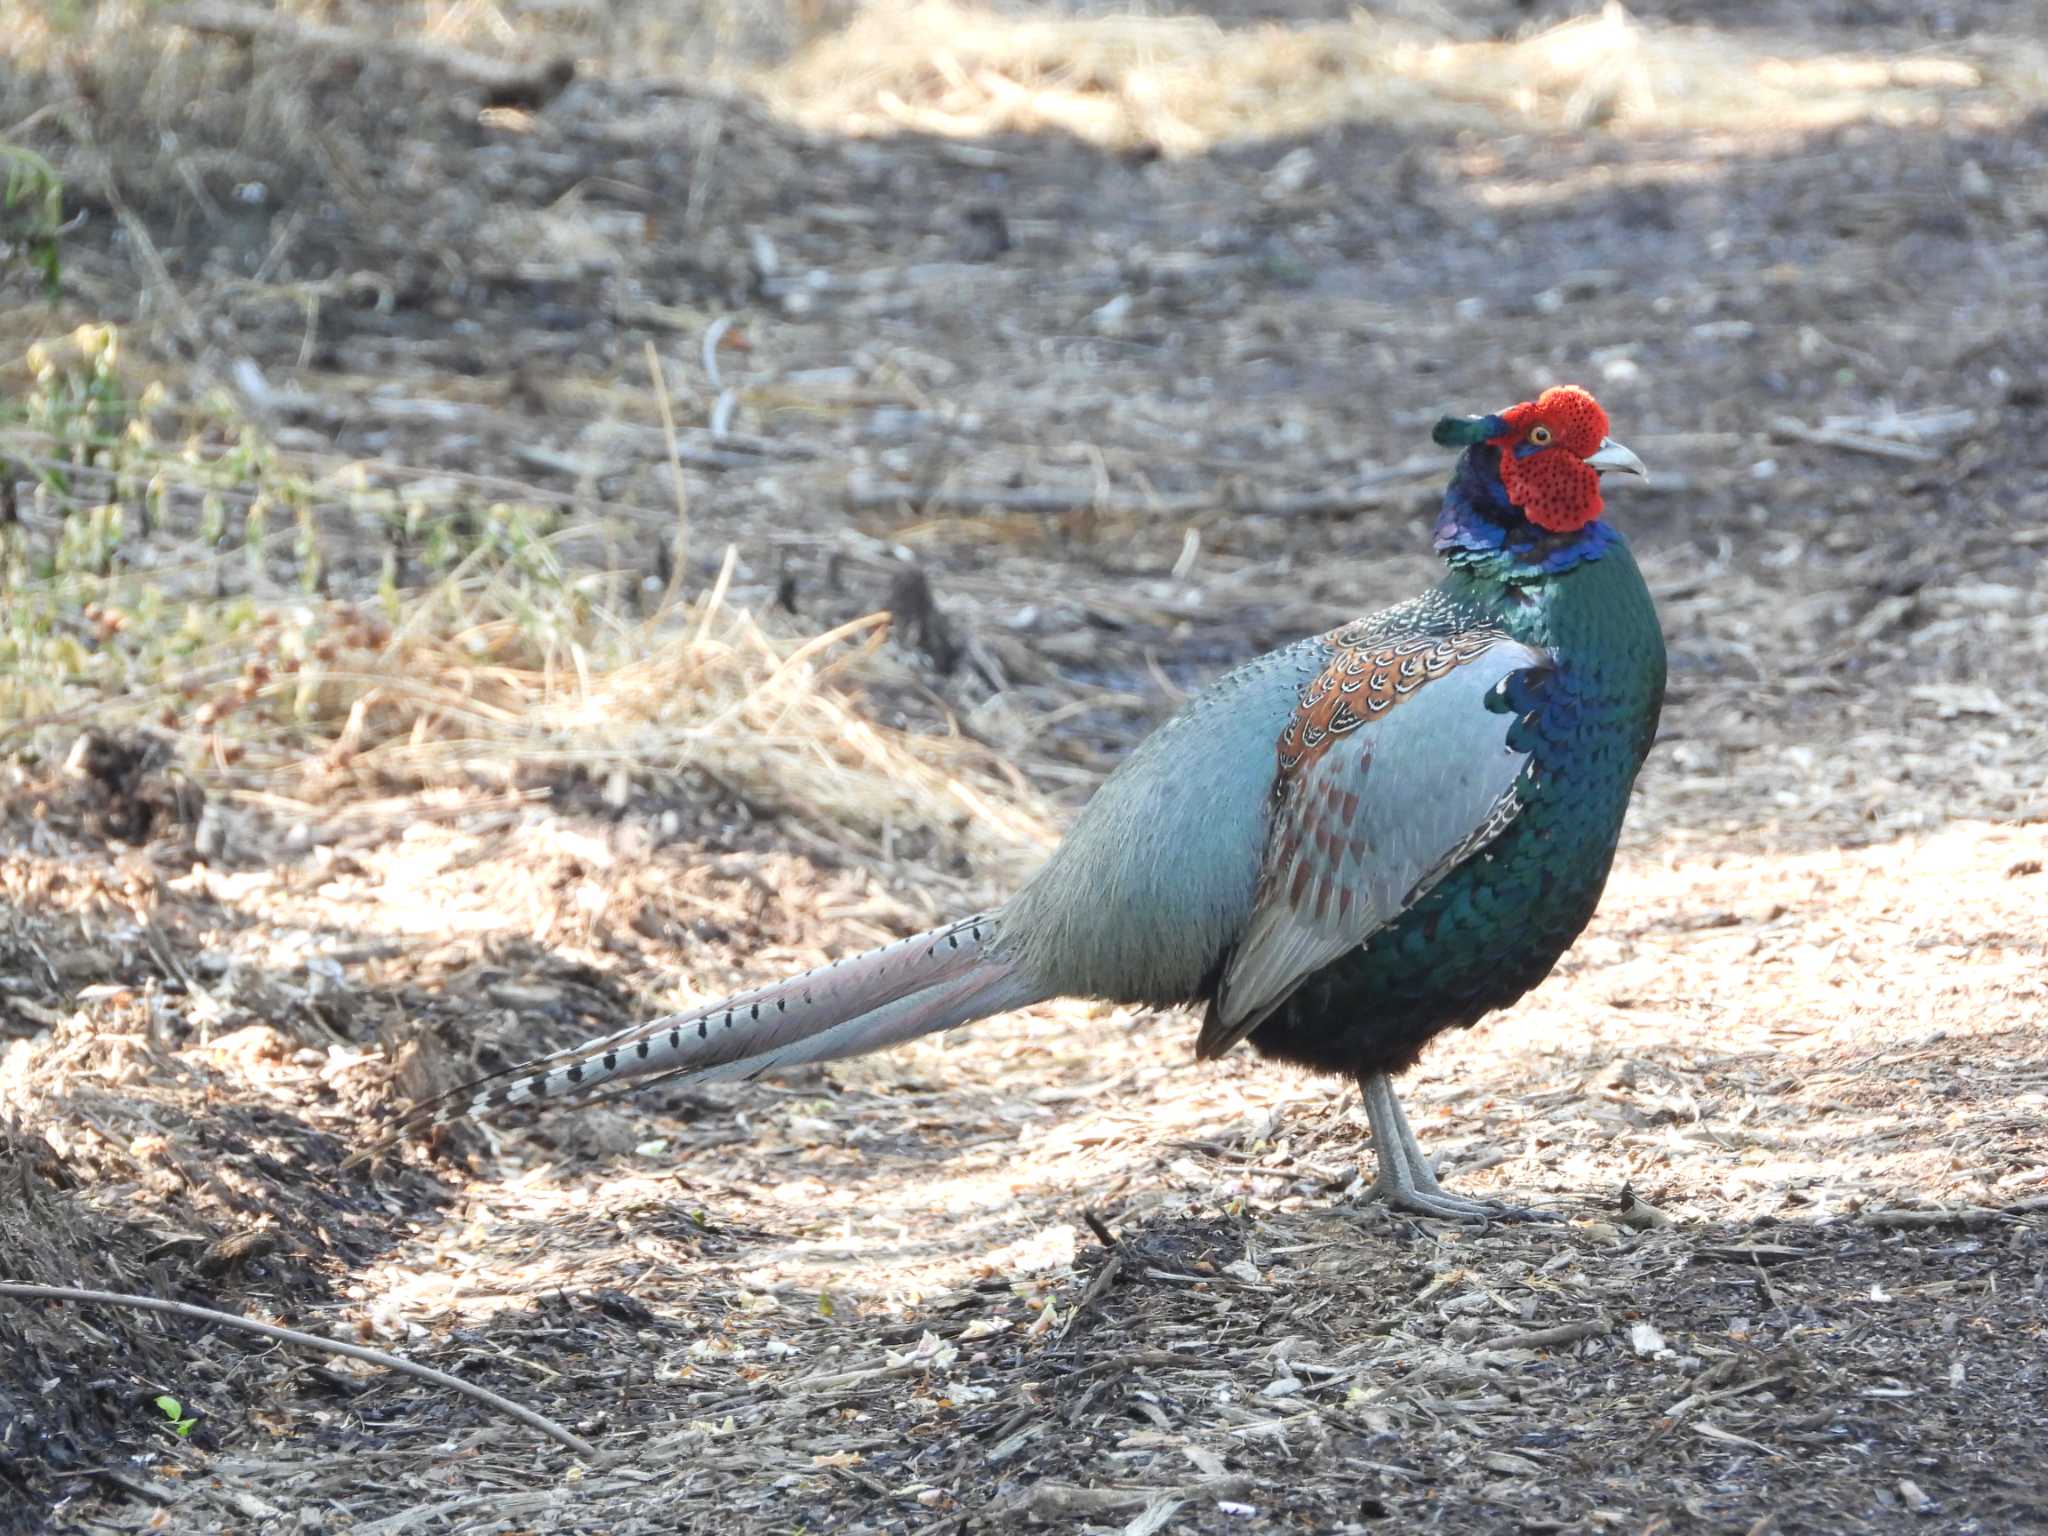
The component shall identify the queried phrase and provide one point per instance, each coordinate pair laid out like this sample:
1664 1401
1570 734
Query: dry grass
522 659
1184 85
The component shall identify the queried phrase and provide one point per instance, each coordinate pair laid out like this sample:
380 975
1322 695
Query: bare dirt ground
1138 388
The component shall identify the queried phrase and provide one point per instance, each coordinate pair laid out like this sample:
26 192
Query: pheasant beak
1611 456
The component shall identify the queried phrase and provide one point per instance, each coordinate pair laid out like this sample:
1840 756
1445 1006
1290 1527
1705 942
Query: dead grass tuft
174 584
698 687
1181 85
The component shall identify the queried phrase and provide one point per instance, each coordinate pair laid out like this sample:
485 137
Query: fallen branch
862 496
1334 501
425 1373
1548 1338
525 86
1965 1216
1686 1404
1795 430
838 1379
1758 1254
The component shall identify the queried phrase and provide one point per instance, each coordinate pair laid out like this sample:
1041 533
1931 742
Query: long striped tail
916 986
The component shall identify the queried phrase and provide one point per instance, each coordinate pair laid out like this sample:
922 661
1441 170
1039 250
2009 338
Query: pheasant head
1529 483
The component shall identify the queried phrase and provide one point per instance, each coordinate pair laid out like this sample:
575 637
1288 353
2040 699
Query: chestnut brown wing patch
1363 680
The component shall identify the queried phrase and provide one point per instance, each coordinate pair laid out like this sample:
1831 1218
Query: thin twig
1104 1279
714 333
426 1373
679 555
1966 1216
1791 427
1756 1254
1549 1338
867 495
1692 1400
1374 488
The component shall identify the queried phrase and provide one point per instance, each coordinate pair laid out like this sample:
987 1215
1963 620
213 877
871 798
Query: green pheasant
1339 850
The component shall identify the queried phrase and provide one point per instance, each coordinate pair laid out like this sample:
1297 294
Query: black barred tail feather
916 986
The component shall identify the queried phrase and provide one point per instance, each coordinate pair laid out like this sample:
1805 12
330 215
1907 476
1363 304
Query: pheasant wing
1397 765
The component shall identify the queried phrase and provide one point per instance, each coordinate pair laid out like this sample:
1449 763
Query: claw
1445 1206
1436 1202
1406 1182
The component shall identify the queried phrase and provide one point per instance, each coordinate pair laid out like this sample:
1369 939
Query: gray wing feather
1369 828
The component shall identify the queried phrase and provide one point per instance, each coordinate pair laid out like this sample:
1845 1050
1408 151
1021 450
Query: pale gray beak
1613 457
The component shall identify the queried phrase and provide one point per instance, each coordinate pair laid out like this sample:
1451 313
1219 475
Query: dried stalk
426 1373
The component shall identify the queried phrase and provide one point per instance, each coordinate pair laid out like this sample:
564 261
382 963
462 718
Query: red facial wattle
1543 458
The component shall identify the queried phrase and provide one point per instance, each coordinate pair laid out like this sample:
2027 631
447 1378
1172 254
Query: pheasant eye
1540 436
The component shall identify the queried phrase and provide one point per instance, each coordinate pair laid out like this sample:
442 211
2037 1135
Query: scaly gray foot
1406 1182
1405 1195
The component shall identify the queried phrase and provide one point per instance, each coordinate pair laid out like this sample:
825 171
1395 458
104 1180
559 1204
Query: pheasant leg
1406 1181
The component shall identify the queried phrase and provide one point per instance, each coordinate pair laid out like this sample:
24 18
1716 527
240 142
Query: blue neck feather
1481 531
